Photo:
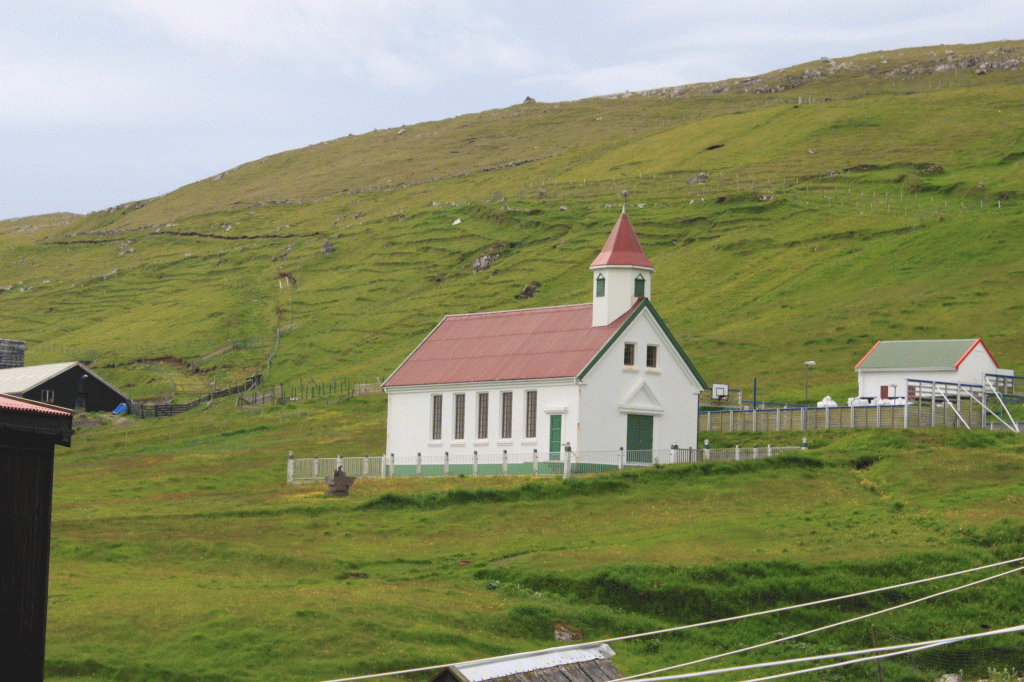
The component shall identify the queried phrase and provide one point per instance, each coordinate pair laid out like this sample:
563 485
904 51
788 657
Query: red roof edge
971 349
622 247
857 366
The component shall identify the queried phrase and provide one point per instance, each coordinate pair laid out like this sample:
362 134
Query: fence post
622 457
568 462
340 463
419 465
706 455
392 464
803 418
755 453
366 466
536 470
446 464
475 464
291 467
316 466
778 418
675 453
769 449
737 453
504 462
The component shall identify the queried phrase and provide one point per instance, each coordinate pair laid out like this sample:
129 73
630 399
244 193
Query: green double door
639 437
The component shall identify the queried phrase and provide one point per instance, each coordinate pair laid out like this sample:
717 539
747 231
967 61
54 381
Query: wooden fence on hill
170 410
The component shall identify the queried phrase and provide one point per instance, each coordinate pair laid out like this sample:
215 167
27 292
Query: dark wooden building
578 663
29 431
64 384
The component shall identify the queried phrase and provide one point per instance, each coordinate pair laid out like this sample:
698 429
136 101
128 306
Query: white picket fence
515 464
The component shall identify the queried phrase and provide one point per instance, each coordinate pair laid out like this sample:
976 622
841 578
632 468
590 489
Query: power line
697 625
821 629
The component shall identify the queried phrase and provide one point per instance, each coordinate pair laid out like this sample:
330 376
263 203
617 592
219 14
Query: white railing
515 464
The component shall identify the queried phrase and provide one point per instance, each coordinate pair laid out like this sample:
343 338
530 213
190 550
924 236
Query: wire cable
884 652
643 676
692 625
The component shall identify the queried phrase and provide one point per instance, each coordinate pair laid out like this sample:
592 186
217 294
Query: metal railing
564 464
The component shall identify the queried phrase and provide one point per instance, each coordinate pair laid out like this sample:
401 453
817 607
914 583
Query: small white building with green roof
884 371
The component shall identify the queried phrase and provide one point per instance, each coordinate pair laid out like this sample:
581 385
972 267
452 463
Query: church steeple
622 273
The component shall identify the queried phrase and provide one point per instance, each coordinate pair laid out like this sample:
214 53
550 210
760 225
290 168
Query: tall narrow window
506 414
481 416
460 417
531 414
652 356
628 355
599 286
640 287
435 427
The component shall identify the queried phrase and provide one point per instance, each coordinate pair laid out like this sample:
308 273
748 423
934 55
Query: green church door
639 437
555 437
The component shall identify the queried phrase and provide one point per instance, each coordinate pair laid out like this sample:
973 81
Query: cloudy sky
107 101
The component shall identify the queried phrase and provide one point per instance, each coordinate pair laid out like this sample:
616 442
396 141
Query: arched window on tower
599 287
640 287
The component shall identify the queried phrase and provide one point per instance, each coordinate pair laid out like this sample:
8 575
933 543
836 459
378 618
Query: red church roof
622 247
535 343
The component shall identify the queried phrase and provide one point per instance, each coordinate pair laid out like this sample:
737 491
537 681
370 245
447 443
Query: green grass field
180 553
879 200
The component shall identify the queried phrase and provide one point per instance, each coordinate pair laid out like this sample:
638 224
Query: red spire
622 247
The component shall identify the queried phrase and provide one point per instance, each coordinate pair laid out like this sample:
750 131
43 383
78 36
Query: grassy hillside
196 561
865 198
874 197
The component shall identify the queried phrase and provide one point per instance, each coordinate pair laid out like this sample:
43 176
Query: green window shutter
640 287
599 287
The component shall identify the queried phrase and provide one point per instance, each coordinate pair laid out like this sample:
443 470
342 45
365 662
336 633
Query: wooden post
419 465
446 464
291 467
504 462
536 470
475 464
622 457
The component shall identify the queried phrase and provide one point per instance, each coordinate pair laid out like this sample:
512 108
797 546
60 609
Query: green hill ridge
847 201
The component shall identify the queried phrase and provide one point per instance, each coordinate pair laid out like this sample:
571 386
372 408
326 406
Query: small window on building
481 416
506 414
435 426
459 432
629 355
640 287
47 396
599 287
652 356
531 414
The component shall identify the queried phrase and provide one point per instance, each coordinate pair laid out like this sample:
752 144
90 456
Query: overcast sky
107 101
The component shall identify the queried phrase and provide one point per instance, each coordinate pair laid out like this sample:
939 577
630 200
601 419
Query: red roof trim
857 366
971 349
16 404
622 247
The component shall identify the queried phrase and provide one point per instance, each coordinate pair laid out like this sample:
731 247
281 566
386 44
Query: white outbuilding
594 377
884 372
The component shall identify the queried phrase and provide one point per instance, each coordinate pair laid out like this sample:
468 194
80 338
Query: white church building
604 379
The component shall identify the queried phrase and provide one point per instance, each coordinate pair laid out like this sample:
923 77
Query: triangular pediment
641 400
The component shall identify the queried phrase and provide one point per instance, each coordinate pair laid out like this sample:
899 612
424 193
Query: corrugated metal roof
16 380
622 247
503 666
536 343
925 354
15 404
